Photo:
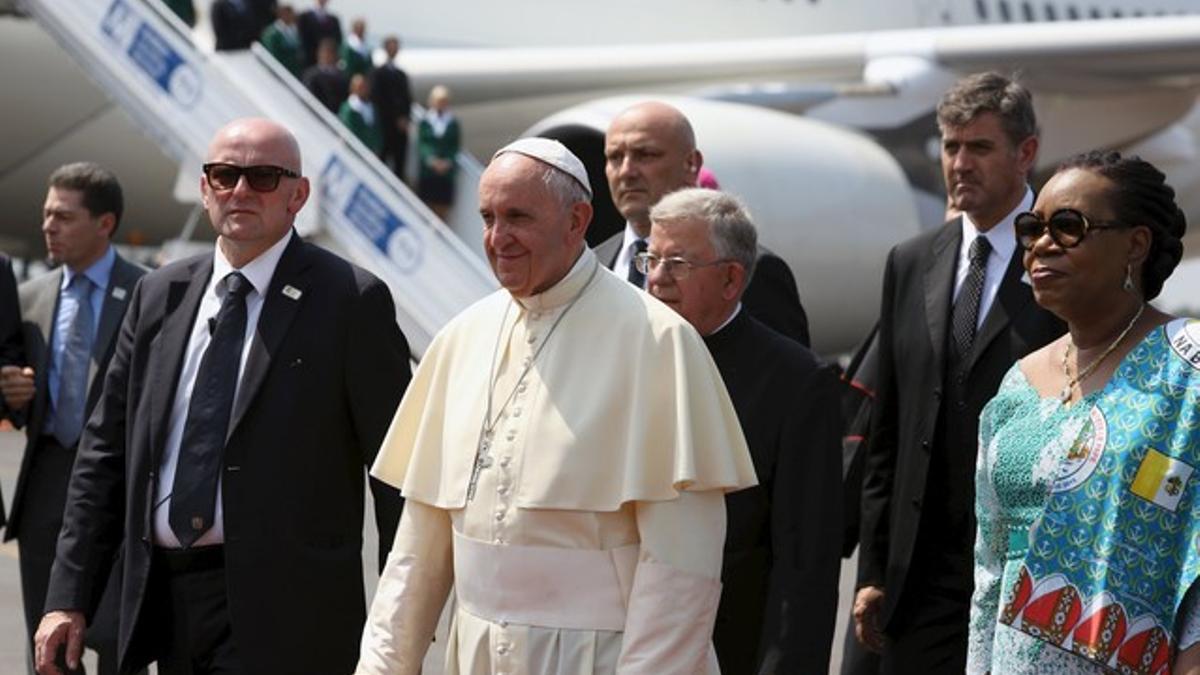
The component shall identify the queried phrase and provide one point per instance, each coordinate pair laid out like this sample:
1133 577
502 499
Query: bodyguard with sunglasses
955 315
1085 558
249 389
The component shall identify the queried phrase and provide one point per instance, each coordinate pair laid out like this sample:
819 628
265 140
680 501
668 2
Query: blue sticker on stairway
150 52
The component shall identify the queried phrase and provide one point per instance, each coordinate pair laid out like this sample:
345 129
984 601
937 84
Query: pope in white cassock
564 447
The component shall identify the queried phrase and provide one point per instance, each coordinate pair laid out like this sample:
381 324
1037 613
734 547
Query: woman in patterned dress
1088 537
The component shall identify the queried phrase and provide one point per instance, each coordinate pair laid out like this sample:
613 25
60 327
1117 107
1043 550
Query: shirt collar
566 289
630 236
258 271
1002 237
99 272
729 319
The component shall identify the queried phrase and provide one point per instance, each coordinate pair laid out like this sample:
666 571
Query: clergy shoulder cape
625 405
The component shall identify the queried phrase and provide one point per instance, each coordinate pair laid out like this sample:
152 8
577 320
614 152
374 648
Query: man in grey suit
71 316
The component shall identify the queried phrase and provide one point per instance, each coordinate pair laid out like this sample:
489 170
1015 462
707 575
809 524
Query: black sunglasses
260 178
1067 227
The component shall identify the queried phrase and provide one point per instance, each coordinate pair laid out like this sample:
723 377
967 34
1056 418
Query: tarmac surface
12 624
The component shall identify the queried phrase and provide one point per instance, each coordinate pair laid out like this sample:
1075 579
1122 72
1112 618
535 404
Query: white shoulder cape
627 405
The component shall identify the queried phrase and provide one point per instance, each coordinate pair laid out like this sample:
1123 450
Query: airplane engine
828 201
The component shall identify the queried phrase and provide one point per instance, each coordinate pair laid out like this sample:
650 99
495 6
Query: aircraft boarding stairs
179 94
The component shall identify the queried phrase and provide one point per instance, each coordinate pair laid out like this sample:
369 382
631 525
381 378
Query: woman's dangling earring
1128 284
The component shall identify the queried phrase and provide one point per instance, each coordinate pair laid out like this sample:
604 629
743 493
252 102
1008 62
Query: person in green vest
358 114
283 40
438 141
355 55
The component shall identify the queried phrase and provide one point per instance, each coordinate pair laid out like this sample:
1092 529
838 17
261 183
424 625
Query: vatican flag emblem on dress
1161 479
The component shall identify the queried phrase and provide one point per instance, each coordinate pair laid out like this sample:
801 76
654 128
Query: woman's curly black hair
1141 196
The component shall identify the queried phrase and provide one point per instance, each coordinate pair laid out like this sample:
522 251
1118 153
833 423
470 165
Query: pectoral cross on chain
483 460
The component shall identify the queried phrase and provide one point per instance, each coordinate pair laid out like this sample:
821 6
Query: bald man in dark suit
250 389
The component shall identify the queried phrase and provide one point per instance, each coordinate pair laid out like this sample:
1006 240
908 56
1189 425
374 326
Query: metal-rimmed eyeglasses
260 177
678 268
1067 227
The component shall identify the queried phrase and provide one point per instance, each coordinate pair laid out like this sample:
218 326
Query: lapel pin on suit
119 293
292 292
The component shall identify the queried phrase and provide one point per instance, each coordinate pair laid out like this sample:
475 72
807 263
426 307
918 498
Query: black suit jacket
912 401
39 303
325 371
771 296
313 29
12 352
782 545
329 85
262 14
234 28
391 93
11 349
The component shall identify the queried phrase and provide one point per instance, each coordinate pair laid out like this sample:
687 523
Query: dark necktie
73 365
636 277
966 308
194 492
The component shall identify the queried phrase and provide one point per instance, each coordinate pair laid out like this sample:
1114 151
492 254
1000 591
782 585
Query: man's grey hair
730 227
568 190
989 92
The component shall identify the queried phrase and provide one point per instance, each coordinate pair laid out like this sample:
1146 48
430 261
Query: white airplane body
818 112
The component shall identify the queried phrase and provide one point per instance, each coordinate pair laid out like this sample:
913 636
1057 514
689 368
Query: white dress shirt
258 272
1003 239
624 261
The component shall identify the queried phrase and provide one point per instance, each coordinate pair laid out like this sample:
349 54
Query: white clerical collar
1002 237
566 289
732 315
258 271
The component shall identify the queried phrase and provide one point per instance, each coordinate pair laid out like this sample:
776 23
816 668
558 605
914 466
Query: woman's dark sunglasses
260 178
1067 227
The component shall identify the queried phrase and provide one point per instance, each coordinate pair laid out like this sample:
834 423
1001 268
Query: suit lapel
41 314
610 248
183 301
939 285
1011 298
112 310
279 308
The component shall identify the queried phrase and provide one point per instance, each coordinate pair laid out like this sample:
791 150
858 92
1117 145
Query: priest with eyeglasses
564 451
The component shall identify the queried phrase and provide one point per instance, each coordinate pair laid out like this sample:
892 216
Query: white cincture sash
542 586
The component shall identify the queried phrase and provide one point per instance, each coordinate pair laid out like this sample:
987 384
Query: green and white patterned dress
1030 446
